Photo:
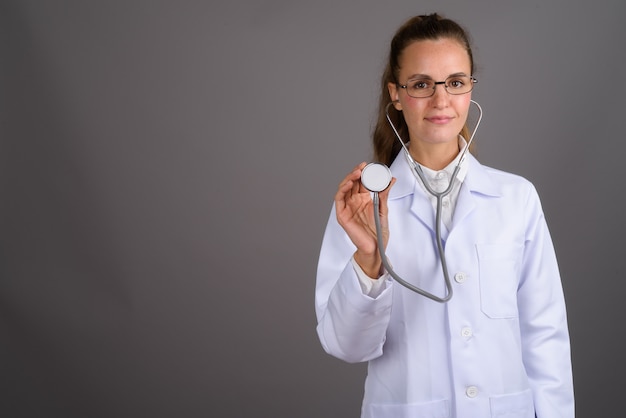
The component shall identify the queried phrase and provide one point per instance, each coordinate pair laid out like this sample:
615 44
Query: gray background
167 170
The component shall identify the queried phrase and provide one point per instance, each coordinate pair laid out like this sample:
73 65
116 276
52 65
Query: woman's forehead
441 57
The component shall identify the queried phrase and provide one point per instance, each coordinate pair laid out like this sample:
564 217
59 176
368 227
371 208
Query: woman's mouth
439 120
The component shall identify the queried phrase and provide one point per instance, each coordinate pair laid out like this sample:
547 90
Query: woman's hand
355 213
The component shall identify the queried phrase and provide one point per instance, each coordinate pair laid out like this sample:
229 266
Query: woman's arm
351 325
543 320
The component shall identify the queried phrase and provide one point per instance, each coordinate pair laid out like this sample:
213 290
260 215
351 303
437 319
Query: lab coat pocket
513 405
435 409
499 271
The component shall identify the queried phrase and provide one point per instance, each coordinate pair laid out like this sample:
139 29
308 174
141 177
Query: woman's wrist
371 264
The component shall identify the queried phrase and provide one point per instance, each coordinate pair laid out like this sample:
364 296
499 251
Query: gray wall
167 169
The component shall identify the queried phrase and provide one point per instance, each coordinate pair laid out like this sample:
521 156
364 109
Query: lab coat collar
478 179
449 169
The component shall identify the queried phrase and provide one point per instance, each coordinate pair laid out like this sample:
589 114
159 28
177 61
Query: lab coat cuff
371 287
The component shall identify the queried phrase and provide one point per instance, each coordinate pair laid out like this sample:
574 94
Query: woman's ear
394 95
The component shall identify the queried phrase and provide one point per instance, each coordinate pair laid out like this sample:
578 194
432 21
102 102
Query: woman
500 346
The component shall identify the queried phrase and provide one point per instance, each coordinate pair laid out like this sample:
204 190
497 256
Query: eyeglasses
425 87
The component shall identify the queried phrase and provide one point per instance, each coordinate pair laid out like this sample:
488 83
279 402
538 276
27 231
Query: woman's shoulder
505 176
498 181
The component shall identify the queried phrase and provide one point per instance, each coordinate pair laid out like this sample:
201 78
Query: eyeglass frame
473 81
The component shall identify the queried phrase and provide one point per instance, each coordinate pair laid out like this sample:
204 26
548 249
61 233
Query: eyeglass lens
425 87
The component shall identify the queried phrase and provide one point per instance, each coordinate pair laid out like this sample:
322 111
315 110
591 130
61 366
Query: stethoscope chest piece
376 177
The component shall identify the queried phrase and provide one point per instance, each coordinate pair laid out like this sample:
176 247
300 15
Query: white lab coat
498 348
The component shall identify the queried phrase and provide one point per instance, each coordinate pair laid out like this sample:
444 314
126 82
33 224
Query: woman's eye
420 85
456 83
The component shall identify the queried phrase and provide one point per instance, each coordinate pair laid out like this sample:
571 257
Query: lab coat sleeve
350 324
543 320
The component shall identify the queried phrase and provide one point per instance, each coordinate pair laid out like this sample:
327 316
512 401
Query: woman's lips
439 120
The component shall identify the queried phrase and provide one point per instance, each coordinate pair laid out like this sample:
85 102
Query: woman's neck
434 156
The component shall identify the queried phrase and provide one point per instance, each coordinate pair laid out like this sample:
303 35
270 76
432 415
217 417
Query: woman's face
437 119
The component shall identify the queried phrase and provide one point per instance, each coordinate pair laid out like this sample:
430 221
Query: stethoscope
376 177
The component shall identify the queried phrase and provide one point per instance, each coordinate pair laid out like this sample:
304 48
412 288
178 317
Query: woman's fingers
350 184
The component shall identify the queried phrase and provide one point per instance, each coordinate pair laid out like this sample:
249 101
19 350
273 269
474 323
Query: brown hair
418 28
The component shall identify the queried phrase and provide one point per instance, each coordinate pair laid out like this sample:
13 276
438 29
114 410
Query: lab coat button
466 332
460 277
471 391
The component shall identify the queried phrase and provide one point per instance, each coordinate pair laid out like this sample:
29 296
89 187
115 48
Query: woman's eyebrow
427 77
420 76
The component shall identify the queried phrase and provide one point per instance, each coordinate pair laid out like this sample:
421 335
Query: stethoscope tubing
395 276
439 196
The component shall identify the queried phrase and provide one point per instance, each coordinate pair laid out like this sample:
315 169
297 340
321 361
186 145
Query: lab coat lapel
464 205
477 182
422 207
407 185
